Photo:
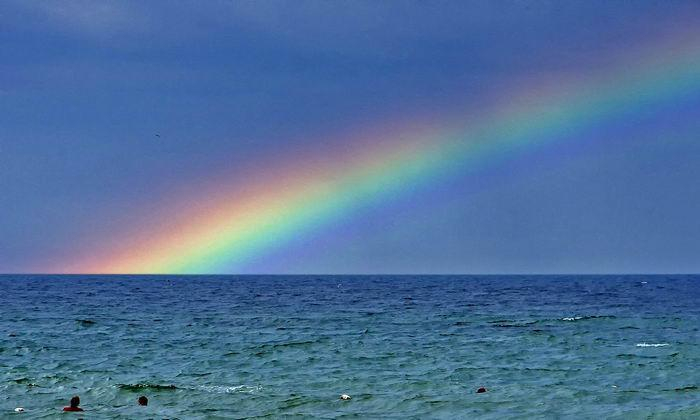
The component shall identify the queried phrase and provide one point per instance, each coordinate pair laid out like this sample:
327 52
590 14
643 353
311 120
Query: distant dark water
402 347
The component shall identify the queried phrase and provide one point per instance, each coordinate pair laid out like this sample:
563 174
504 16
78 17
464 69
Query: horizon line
347 274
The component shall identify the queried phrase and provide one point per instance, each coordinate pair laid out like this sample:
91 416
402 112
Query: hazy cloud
96 17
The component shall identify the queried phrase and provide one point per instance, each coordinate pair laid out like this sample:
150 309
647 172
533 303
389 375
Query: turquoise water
401 346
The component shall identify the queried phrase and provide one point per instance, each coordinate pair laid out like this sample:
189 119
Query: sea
408 347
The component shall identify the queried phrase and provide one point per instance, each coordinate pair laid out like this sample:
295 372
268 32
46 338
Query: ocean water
401 346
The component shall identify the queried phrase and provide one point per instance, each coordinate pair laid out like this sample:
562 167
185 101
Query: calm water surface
401 346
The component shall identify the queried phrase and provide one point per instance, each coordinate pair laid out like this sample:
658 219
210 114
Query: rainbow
245 222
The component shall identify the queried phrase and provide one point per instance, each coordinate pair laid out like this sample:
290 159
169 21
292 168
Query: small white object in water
652 344
345 397
19 410
572 318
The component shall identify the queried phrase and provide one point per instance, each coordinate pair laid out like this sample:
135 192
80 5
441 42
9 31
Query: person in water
74 404
143 400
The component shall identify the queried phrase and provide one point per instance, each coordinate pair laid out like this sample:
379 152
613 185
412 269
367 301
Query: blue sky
107 106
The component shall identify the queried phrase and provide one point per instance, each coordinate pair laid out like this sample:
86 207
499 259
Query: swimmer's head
143 400
75 401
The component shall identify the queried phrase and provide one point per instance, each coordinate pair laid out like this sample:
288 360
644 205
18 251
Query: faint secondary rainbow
303 197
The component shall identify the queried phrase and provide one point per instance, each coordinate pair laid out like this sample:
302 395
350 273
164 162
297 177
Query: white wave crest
572 318
220 389
652 344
